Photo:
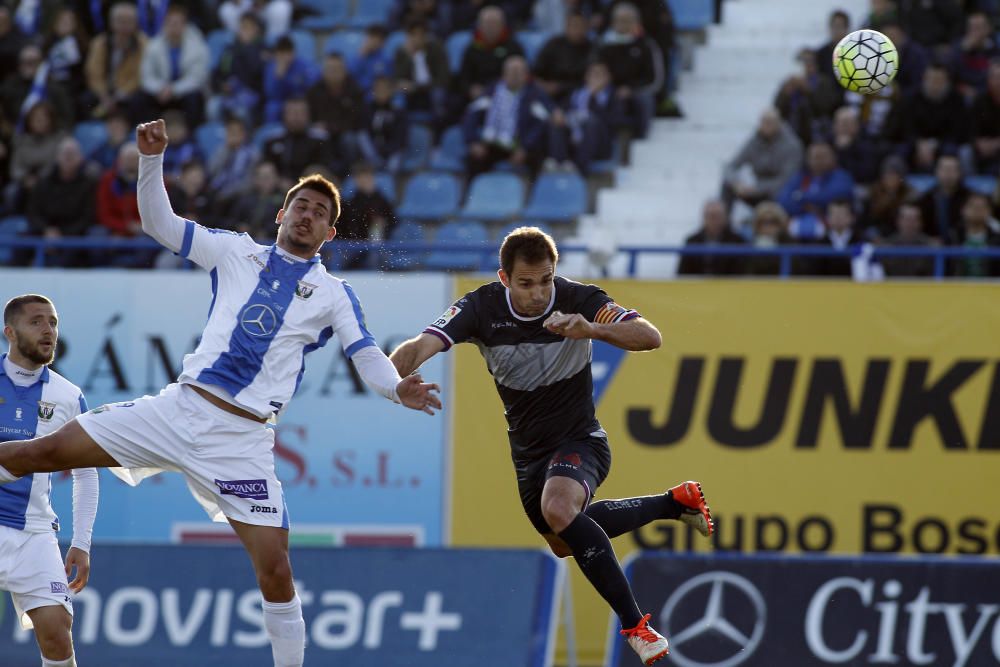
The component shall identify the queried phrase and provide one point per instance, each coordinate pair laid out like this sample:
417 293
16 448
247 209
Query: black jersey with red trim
543 379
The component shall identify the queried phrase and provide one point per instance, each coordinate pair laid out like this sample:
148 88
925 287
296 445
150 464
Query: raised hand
416 394
151 138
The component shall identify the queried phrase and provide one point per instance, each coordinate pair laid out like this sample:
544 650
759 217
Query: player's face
34 333
530 286
305 226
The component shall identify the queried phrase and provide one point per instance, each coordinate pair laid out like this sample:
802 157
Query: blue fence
487 252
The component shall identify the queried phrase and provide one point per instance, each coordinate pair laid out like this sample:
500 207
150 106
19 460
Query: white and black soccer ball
865 61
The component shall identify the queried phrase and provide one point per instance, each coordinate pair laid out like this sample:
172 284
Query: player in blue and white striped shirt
271 306
35 401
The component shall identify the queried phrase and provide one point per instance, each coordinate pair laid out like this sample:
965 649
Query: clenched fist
152 137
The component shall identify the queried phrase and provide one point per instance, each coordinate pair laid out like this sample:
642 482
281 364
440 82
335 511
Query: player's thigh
530 481
575 471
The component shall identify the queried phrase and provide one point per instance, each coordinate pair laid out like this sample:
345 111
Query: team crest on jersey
304 290
275 285
447 316
46 410
18 414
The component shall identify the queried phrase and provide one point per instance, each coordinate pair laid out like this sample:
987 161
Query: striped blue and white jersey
29 412
269 309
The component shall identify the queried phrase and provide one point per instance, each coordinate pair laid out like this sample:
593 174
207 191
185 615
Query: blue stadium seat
91 134
455 45
692 14
450 153
371 12
430 196
11 227
345 42
494 196
557 198
305 44
987 185
209 137
384 181
331 14
466 231
404 260
394 41
921 182
532 41
419 144
218 40
265 133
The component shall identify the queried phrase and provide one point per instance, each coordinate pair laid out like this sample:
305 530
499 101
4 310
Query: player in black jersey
535 329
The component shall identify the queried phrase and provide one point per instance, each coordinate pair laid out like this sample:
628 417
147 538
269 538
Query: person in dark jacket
62 204
337 104
367 216
986 123
715 231
299 145
840 235
636 65
974 232
582 130
383 138
420 66
941 206
561 64
239 75
510 122
482 63
934 121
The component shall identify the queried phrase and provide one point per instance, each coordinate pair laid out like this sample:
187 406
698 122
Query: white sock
68 662
287 631
6 477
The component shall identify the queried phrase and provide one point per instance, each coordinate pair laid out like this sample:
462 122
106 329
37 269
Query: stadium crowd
252 103
913 165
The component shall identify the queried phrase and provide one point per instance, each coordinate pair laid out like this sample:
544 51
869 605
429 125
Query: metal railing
487 252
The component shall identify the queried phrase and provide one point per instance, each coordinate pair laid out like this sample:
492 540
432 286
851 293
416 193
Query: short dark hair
415 23
377 31
530 244
284 43
17 304
319 184
842 202
839 14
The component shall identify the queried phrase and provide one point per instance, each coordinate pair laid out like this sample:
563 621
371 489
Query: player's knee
560 550
275 578
558 513
55 640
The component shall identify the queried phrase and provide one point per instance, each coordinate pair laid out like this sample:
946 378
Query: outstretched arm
411 354
634 335
379 374
85 494
158 218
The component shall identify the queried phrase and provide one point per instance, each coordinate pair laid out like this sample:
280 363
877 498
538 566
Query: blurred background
822 265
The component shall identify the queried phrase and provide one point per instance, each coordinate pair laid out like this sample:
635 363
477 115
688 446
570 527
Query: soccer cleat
695 511
647 642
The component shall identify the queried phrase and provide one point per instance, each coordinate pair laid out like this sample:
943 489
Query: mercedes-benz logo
258 319
713 621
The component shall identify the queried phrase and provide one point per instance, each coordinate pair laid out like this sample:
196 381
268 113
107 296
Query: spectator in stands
715 231
881 14
975 233
118 129
857 152
510 122
383 137
483 61
986 124
298 145
65 46
253 212
941 207
274 15
561 64
428 12
18 85
837 26
337 104
420 66
657 21
189 194
770 229
913 58
367 216
372 60
287 76
636 66
934 121
808 99
972 53
11 41
885 198
175 68
768 159
584 131
932 22
239 75
839 235
114 62
182 148
34 150
117 208
909 234
230 168
822 181
62 204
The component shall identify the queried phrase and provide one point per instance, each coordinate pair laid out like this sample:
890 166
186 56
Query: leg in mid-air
69 447
684 502
268 550
53 632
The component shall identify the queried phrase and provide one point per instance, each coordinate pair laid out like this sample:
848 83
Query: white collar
510 306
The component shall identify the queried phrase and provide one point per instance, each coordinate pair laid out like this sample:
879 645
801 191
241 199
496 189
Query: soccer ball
865 61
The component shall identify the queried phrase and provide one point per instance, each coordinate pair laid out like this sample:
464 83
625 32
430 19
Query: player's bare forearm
412 353
635 335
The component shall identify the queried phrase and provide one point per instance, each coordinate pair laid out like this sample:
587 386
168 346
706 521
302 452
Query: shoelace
641 631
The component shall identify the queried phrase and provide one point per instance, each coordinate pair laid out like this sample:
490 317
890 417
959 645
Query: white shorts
31 568
227 460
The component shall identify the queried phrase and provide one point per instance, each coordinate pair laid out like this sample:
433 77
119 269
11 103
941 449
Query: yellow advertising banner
819 417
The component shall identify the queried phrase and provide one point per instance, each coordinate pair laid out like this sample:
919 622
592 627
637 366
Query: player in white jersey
271 306
35 401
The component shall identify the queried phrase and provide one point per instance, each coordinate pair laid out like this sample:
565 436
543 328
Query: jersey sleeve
206 246
349 322
83 403
599 308
457 324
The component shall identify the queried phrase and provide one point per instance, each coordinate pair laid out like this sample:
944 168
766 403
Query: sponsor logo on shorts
571 460
262 509
59 587
46 410
254 489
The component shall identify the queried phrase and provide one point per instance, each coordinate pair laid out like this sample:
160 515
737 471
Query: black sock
596 558
617 517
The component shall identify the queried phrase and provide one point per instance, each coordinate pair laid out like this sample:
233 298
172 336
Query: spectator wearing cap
934 120
976 231
114 61
820 182
636 66
420 67
986 123
562 63
715 231
239 75
972 53
941 206
909 234
372 60
483 60
287 76
583 130
886 196
768 159
175 68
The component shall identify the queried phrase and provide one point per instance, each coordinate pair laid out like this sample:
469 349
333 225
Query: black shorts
587 460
